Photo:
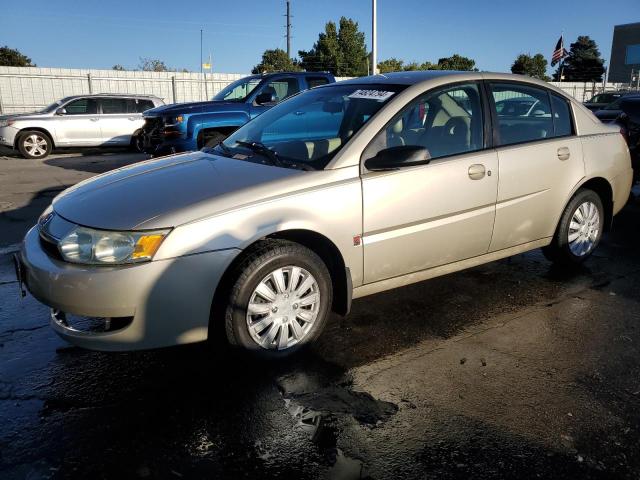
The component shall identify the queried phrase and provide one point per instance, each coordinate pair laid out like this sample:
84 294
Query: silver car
341 191
78 121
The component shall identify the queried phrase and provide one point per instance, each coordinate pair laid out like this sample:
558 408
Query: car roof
119 95
301 74
404 78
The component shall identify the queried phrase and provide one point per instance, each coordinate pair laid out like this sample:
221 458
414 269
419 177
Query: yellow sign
207 66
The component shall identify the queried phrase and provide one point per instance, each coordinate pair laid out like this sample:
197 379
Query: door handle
94 119
564 153
132 118
477 171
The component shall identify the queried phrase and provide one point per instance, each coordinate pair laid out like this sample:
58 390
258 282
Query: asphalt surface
514 369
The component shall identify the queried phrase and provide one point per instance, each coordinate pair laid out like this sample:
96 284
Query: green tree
275 60
118 67
390 65
339 50
11 57
584 63
457 62
152 65
534 66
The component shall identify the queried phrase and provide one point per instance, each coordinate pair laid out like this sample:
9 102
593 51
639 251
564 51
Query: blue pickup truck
190 126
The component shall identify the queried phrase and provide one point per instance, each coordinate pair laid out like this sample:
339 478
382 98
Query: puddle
320 411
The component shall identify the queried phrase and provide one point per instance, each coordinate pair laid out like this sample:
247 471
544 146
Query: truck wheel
137 143
34 144
213 139
579 231
280 299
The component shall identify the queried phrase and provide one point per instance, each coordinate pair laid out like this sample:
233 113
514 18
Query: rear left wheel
579 231
280 299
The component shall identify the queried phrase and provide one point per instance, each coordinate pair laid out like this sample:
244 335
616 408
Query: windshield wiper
263 150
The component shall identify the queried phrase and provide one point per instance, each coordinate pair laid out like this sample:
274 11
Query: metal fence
583 91
25 89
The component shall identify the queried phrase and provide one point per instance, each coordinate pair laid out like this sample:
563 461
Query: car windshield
238 90
54 106
308 130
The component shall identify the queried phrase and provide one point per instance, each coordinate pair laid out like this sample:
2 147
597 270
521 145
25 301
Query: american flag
559 53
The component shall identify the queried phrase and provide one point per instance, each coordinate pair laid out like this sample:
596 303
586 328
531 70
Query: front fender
333 210
204 121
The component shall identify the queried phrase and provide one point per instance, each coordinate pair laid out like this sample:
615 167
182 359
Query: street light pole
201 72
374 39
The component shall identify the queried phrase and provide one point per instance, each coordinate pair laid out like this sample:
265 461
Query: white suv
78 121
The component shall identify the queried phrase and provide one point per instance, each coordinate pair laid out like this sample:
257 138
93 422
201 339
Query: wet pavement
513 369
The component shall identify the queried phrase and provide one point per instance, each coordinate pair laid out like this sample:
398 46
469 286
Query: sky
100 34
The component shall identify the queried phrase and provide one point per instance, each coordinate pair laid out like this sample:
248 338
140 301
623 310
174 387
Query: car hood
187 108
22 116
167 192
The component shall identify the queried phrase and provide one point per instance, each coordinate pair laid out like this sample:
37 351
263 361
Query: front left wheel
280 299
34 144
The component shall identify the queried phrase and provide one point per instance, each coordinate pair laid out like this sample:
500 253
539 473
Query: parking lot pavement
28 186
513 369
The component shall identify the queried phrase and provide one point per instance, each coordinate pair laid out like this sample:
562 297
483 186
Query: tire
213 139
585 204
137 143
34 144
287 322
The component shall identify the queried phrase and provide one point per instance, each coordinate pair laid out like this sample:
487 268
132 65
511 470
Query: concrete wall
25 89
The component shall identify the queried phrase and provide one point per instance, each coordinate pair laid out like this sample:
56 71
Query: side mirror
396 157
266 97
61 111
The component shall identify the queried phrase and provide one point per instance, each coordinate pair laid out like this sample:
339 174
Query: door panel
422 217
534 184
537 174
116 125
80 125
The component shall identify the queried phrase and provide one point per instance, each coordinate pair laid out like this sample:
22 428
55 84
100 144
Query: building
625 52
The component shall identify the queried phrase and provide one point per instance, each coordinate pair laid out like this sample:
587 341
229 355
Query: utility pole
201 72
289 28
374 39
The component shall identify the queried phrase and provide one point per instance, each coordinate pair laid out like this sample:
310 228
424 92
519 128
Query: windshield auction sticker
379 95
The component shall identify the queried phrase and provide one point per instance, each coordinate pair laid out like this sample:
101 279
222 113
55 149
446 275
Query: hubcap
35 145
584 229
283 308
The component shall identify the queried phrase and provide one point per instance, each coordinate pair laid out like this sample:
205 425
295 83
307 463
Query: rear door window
112 106
136 105
523 113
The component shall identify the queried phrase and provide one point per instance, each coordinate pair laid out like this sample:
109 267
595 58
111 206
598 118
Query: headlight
85 245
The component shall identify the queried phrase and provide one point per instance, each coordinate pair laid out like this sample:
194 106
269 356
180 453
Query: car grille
153 126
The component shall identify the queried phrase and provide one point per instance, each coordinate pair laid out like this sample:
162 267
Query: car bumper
8 136
167 146
154 304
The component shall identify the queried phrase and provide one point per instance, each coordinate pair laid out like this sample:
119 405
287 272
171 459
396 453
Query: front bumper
168 302
8 136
